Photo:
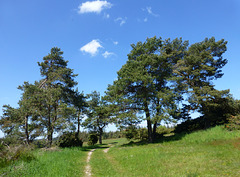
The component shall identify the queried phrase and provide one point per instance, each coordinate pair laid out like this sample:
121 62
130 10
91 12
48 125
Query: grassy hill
213 152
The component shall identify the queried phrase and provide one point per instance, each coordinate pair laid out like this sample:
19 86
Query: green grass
66 162
214 152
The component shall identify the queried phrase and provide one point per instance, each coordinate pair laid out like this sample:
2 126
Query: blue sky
95 36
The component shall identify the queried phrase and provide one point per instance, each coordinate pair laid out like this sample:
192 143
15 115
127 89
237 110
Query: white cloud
106 15
145 19
121 20
115 42
91 47
106 54
149 10
93 6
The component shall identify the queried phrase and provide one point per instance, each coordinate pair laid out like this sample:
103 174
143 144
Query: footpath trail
88 171
107 149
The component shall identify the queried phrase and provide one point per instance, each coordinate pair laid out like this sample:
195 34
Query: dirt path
88 172
107 149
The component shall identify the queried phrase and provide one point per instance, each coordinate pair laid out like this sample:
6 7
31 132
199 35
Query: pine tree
57 84
144 85
99 115
80 104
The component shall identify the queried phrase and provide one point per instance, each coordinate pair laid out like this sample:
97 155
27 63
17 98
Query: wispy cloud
121 20
115 42
91 47
94 6
106 15
107 54
145 19
149 11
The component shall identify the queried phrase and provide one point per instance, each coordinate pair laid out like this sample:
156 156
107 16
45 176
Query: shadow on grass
113 143
161 139
98 146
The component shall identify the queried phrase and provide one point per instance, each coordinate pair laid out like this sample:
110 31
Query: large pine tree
57 87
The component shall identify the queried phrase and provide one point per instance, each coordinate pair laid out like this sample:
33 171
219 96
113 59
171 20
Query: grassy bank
61 162
215 152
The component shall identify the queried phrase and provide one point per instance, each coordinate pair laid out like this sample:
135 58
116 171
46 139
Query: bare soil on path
88 172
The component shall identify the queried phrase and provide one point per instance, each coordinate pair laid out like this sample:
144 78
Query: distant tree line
163 81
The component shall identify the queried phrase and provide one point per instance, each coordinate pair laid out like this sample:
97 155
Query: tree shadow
113 142
161 139
97 146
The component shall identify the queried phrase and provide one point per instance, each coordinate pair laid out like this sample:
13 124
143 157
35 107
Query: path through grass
215 152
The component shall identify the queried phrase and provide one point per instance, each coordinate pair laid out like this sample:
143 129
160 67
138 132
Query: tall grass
64 162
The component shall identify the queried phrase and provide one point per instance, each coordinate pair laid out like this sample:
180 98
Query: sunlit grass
64 162
214 152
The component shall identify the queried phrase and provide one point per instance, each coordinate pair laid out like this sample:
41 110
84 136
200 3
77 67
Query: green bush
142 134
15 153
189 126
93 139
164 130
69 139
131 132
233 123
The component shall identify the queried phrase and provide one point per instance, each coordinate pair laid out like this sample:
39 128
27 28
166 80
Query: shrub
233 123
164 130
93 139
142 134
131 132
15 153
191 125
69 139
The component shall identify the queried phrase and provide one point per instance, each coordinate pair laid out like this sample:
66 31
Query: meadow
212 152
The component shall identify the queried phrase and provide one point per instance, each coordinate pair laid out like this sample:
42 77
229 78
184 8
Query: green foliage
159 74
84 136
56 89
190 125
69 139
80 104
131 132
93 139
99 114
139 133
164 130
233 123
220 110
10 154
113 135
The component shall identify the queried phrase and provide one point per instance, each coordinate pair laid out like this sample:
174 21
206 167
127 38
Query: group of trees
50 105
165 80
162 81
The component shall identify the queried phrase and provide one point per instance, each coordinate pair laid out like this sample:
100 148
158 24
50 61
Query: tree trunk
154 131
26 130
78 130
100 135
149 126
50 134
50 129
149 123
